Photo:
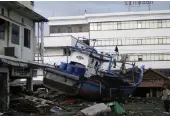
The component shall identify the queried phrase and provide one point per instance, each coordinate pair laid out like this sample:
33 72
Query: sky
73 8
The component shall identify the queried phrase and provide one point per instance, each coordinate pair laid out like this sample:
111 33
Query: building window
27 38
139 41
22 20
99 27
119 25
93 26
15 34
58 30
163 23
133 41
2 11
80 29
159 23
2 29
140 58
69 29
160 40
53 29
104 26
139 24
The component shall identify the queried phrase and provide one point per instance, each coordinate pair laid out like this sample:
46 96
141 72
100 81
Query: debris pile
32 104
47 102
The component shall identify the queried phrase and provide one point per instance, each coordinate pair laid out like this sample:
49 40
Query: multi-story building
143 35
17 45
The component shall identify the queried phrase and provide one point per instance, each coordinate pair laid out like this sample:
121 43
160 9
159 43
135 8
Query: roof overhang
11 61
24 11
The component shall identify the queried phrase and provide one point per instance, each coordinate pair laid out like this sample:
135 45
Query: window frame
3 30
28 39
13 32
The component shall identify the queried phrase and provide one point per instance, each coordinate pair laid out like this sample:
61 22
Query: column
151 92
4 91
29 85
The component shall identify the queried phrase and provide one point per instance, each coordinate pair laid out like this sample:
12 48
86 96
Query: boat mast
111 59
110 64
67 50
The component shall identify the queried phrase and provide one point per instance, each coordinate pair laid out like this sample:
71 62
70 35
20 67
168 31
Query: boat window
95 66
92 61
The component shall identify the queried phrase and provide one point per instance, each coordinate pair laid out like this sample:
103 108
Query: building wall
143 35
23 52
76 35
55 47
76 30
3 43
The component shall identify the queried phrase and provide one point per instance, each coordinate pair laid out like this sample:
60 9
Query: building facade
17 45
143 35
56 48
17 29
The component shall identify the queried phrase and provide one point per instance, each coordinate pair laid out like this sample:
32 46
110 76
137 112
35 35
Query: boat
83 76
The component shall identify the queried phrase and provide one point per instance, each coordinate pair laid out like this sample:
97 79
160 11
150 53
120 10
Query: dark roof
162 75
151 84
21 63
23 10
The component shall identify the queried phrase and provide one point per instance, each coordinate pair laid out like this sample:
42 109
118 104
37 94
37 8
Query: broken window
2 29
15 34
27 38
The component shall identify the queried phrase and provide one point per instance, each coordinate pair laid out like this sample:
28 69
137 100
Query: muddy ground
134 107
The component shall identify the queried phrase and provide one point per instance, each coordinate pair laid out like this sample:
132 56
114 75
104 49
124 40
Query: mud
62 105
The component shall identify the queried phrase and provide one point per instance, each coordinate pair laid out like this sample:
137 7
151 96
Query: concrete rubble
95 110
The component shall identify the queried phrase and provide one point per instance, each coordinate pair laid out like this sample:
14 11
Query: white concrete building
17 29
56 48
144 35
17 45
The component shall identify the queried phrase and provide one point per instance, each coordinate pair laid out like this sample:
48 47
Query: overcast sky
71 8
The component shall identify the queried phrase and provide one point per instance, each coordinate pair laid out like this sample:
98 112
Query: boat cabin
84 61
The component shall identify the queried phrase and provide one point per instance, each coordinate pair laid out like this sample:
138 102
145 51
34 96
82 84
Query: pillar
29 85
151 92
4 91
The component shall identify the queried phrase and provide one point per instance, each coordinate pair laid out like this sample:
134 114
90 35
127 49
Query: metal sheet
14 63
